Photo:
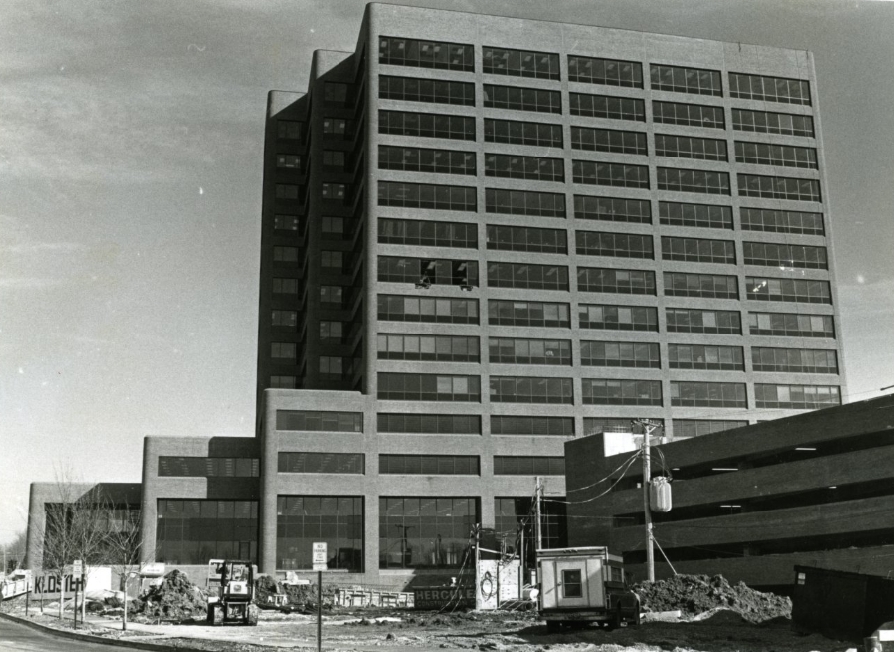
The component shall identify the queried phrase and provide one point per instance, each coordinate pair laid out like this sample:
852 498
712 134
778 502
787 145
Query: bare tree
14 552
121 547
73 528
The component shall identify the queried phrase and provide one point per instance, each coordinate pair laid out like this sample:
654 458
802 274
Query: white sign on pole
77 568
320 555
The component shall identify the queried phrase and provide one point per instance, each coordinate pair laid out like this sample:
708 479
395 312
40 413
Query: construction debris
298 597
175 599
697 594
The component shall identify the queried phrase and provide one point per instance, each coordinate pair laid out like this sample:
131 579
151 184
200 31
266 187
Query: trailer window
802 578
617 574
571 584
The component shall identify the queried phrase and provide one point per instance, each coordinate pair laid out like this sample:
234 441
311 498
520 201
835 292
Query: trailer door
596 578
571 583
548 586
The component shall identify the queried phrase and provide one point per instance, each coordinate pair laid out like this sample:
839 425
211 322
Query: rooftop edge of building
371 5
278 101
807 429
213 446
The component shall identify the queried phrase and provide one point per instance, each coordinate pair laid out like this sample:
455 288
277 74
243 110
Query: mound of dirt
695 594
176 599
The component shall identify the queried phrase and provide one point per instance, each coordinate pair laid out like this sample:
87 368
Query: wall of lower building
163 482
813 489
106 495
369 485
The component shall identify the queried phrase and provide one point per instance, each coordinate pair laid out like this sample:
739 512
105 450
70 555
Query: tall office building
484 235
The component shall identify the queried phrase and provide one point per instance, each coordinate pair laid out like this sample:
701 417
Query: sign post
319 561
77 568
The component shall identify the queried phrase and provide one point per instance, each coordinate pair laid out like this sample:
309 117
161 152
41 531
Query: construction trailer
584 585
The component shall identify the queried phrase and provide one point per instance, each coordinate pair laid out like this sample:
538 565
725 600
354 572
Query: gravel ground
365 629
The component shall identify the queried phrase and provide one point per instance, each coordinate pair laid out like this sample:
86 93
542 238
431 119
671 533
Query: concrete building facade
815 489
473 250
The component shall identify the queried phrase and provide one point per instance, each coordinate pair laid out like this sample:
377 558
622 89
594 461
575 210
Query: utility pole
478 597
648 427
538 490
319 611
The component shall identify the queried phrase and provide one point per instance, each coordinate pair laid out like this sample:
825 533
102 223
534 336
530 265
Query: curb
89 638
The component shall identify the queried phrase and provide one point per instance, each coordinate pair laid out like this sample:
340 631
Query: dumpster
841 604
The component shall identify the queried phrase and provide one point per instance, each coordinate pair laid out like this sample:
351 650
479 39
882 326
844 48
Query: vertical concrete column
488 517
371 534
36 525
269 483
149 502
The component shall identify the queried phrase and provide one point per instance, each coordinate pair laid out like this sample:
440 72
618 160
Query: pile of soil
695 594
176 599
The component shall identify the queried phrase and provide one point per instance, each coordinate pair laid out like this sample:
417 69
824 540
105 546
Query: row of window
603 280
456 424
708 149
591 70
427 125
625 245
427 272
521 202
539 134
464 348
609 140
391 464
514 166
515 98
461 424
796 397
427 160
426 54
428 233
431 424
612 209
594 317
541 314
194 531
612 354
595 391
455 348
208 467
520 238
607 106
520 63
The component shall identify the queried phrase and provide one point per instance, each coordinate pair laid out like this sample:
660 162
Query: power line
589 500
608 477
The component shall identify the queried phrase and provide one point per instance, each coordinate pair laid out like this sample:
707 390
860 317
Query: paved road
19 638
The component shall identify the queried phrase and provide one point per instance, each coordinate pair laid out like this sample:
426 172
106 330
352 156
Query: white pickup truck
579 586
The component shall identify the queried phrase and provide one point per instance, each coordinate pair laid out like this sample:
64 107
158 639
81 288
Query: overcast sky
131 137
